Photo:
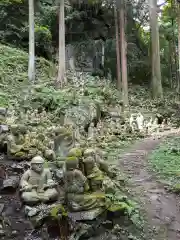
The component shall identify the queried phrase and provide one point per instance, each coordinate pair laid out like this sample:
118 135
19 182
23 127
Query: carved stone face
37 167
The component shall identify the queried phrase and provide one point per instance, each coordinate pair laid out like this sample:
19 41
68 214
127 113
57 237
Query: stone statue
96 154
36 184
11 118
76 187
100 128
140 121
91 132
94 174
133 122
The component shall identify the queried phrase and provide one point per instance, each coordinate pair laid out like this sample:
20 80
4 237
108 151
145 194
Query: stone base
86 215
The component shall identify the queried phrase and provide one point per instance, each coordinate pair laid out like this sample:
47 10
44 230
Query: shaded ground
160 208
13 225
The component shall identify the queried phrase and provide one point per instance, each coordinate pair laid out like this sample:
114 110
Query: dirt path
161 208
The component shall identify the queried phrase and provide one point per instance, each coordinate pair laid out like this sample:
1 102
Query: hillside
87 113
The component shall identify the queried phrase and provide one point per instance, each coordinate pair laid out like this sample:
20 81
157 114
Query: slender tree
61 78
31 65
123 50
117 48
157 91
178 22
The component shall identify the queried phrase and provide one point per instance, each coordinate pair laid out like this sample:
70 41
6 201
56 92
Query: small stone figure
100 128
133 122
140 122
91 132
36 184
11 117
76 187
94 174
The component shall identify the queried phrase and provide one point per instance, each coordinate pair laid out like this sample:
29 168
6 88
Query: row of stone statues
139 123
83 181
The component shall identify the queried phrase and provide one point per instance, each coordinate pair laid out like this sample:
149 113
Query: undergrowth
165 161
14 69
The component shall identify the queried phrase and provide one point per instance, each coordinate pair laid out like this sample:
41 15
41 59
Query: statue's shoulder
27 172
46 170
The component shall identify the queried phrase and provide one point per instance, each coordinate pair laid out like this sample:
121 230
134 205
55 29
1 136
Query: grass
165 160
14 69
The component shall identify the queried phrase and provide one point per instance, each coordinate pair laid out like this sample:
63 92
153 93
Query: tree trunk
70 57
178 22
170 64
103 52
61 79
118 66
123 50
157 91
31 64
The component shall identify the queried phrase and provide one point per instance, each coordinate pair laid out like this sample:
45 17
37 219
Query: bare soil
160 208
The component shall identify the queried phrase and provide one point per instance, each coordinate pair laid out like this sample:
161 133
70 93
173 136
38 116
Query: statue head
37 164
89 152
89 163
71 163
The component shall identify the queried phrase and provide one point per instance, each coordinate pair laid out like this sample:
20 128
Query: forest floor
159 207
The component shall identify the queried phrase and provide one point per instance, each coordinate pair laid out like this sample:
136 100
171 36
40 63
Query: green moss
118 207
58 209
19 154
69 159
75 152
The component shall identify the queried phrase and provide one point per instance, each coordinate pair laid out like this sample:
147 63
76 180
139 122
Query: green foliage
165 160
13 68
58 209
119 202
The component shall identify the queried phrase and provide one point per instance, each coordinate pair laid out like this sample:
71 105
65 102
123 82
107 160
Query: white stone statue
133 122
91 131
36 184
140 121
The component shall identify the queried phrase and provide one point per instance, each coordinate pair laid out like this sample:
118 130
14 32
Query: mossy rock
118 207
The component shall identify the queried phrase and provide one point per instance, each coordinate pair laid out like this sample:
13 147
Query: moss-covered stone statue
36 184
101 164
63 141
77 187
94 174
